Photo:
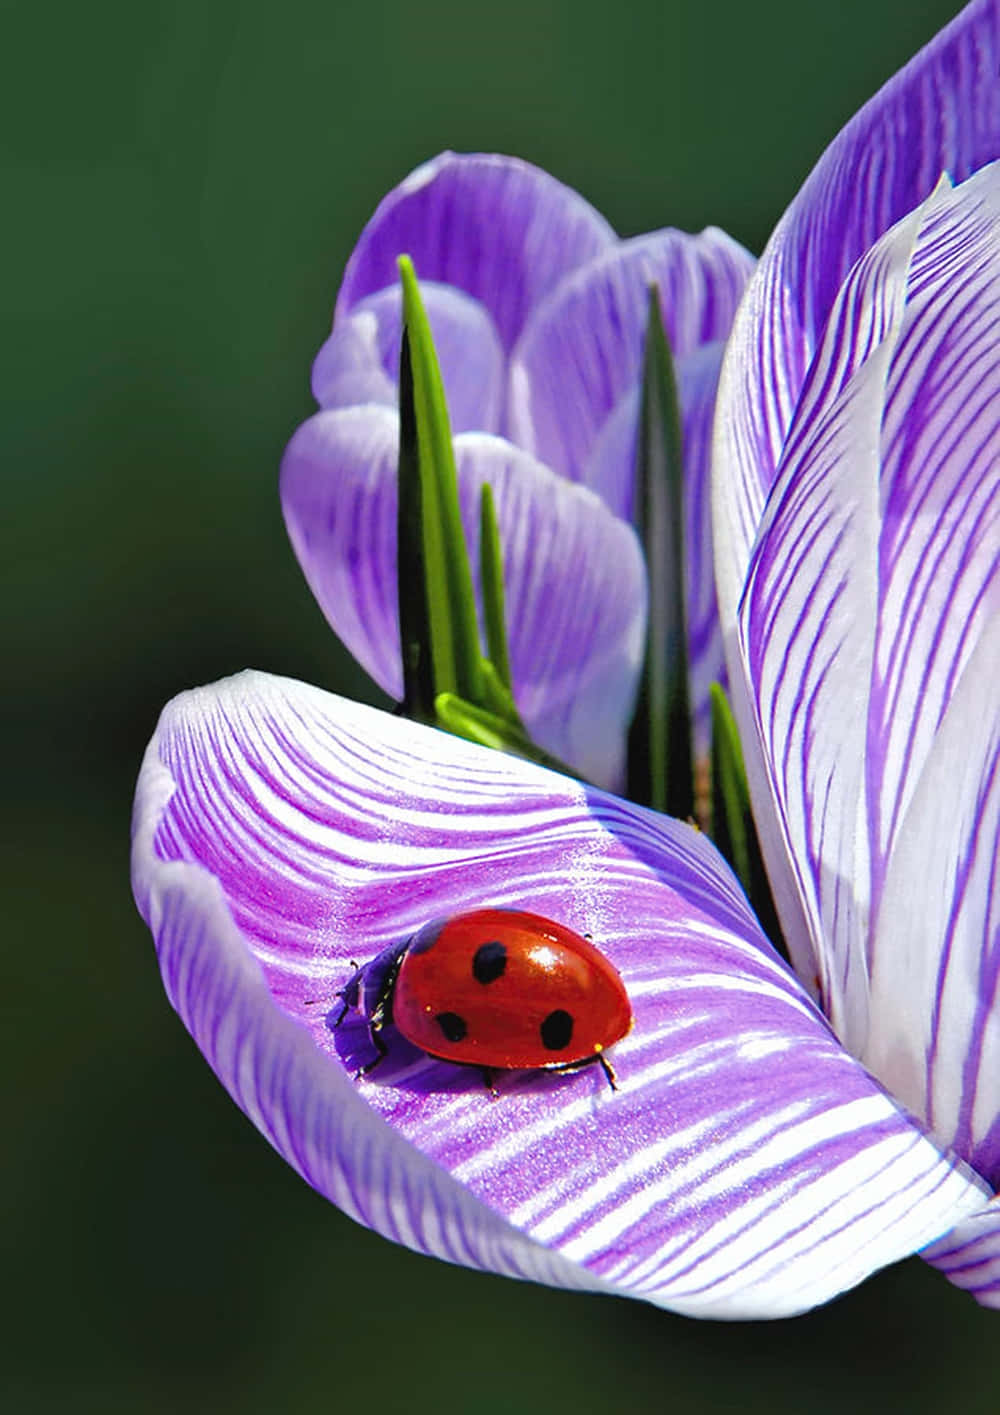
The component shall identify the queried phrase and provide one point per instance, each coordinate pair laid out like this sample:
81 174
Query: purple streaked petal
941 113
338 495
573 574
939 551
350 368
970 1255
697 382
807 625
359 363
581 351
498 228
575 590
610 467
747 1167
935 1026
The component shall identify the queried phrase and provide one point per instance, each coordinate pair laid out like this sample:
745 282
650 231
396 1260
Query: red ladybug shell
506 988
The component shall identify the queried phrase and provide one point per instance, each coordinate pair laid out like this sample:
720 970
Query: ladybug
500 989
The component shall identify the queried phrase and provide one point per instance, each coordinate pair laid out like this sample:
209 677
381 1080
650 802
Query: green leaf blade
660 760
730 794
733 829
491 575
490 729
411 572
447 577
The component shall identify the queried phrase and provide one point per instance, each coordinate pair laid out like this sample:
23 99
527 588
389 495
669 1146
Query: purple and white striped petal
939 551
498 228
359 363
941 113
876 567
807 626
748 1167
933 794
969 1255
574 578
581 351
935 987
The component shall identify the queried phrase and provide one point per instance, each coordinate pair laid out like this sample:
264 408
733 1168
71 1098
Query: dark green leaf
733 829
411 574
730 796
660 767
491 573
451 609
446 679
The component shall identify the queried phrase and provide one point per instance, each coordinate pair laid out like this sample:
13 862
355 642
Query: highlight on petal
574 581
581 351
496 227
941 113
746 1168
359 363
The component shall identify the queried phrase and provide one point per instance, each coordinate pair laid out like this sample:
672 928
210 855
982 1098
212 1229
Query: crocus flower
776 1136
539 313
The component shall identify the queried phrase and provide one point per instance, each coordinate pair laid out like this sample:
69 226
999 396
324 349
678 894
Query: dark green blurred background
183 183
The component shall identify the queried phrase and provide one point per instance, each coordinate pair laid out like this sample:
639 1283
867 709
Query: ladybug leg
489 1082
382 1051
598 1059
608 1069
348 994
344 1010
381 1016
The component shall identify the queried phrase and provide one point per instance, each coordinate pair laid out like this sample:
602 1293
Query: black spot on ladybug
489 962
452 1026
557 1030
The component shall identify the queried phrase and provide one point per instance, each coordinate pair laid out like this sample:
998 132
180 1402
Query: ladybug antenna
607 1068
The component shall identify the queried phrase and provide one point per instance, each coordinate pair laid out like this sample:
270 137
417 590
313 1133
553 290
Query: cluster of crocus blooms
780 1131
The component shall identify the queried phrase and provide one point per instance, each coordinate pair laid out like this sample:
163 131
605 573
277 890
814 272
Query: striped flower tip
857 519
539 314
746 1166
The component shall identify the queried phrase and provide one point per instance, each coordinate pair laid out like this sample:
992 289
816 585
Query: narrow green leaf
730 795
446 680
733 829
489 729
451 608
498 698
660 767
411 571
491 574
